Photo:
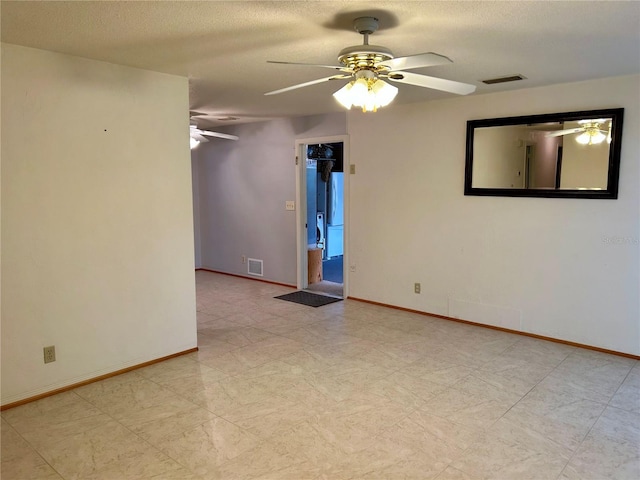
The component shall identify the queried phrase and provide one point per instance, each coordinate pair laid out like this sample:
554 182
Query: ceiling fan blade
194 118
198 137
595 120
416 61
334 67
218 134
432 82
568 131
308 84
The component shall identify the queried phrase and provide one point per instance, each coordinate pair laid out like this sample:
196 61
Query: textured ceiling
223 46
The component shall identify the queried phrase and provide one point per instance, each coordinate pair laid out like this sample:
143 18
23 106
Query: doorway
322 219
529 166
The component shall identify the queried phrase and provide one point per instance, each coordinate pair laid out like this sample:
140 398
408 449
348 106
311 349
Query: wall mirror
571 154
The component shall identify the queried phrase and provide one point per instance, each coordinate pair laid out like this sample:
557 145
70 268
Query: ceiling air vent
254 267
510 78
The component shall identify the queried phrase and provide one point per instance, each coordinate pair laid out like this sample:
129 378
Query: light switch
352 169
290 205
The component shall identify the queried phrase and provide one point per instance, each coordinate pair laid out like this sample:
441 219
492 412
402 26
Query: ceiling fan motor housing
364 56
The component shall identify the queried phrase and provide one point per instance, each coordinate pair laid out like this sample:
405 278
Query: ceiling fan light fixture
591 137
366 93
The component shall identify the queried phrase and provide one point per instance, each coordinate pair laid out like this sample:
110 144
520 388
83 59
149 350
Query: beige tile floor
345 391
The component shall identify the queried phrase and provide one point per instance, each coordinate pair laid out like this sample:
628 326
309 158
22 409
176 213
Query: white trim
301 199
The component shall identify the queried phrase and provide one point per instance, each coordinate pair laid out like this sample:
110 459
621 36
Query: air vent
510 78
254 267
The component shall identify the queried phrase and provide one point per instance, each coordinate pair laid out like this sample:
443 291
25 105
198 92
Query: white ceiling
223 46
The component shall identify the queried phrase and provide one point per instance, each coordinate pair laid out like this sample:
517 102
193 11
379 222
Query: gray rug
310 299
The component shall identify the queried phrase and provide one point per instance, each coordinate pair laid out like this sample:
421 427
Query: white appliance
320 229
335 215
335 242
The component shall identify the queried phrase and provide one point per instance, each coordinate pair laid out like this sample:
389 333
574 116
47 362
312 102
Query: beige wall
564 268
584 166
97 232
498 157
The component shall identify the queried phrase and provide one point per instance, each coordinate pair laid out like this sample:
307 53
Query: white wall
243 187
195 195
564 268
97 232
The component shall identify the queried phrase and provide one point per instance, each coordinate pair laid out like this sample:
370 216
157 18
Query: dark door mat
310 299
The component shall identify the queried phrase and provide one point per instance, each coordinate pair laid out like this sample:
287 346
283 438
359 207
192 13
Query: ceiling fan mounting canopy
366 25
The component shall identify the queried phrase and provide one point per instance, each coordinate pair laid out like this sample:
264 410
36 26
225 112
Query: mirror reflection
566 154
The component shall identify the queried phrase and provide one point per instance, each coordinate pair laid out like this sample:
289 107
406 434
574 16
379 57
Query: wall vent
254 267
509 78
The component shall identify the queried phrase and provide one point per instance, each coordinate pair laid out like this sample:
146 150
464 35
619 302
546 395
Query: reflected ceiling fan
591 131
367 65
197 135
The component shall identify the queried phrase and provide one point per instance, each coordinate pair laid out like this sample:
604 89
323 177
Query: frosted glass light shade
370 104
583 138
598 137
384 92
193 142
359 92
343 96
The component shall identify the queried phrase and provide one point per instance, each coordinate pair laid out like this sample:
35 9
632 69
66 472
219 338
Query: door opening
325 217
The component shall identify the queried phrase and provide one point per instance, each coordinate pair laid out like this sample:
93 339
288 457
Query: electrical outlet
352 267
49 354
416 287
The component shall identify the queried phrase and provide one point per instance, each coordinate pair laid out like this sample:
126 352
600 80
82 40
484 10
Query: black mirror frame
616 115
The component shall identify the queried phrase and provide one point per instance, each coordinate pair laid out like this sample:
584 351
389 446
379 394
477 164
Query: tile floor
345 391
327 288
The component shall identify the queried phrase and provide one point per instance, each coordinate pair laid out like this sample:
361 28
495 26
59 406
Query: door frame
301 202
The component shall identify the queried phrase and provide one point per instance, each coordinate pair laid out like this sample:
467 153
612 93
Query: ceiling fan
367 65
197 135
591 131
